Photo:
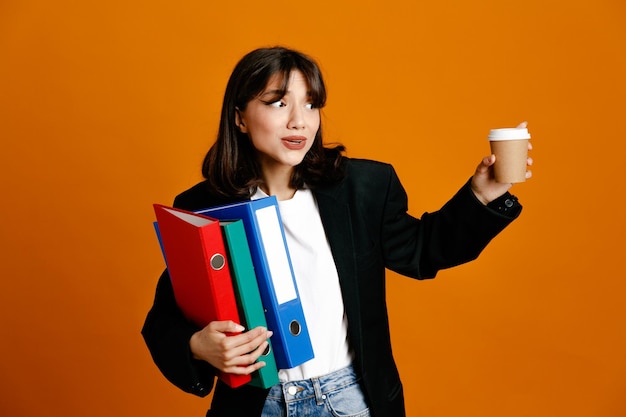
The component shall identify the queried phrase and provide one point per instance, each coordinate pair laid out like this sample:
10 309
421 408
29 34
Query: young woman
346 221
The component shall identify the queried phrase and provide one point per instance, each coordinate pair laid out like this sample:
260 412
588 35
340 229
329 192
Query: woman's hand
236 354
484 184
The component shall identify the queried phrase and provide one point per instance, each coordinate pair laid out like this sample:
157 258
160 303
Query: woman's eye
278 103
309 106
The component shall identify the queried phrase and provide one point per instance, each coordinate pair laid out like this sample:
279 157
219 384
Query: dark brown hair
231 165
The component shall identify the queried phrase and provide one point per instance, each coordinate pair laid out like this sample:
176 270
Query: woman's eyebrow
279 93
273 93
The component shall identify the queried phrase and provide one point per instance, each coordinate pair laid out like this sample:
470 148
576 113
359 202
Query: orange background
109 107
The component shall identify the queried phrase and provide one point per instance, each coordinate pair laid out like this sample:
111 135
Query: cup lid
509 133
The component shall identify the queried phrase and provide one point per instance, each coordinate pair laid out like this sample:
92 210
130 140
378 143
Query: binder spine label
277 260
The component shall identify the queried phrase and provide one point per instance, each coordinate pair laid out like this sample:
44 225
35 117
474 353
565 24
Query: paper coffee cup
510 146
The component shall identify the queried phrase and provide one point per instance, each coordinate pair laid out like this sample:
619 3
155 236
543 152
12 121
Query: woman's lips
294 142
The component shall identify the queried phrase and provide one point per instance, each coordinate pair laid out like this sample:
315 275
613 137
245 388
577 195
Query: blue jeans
337 394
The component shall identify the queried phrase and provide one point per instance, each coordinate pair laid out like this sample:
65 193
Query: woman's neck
281 195
278 183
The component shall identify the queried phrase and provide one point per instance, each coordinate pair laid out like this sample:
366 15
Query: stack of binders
237 256
275 277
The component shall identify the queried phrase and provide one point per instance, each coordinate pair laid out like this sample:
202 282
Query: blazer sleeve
455 234
166 333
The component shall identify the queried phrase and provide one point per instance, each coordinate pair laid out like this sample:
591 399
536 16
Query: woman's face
282 129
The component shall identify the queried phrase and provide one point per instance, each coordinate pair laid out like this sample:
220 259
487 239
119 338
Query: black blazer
368 228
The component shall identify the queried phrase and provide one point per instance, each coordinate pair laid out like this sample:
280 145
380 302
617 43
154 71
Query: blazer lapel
335 215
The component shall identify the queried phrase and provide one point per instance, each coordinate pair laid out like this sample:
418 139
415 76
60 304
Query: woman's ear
239 121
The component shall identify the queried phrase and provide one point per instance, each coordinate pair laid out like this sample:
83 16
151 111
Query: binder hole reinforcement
295 328
217 261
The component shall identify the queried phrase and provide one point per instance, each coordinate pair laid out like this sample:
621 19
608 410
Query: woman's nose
296 118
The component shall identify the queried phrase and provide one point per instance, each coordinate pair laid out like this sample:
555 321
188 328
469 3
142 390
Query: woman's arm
453 235
167 334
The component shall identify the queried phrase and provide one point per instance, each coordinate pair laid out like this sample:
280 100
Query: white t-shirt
318 287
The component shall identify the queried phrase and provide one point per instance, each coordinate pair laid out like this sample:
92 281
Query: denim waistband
317 387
